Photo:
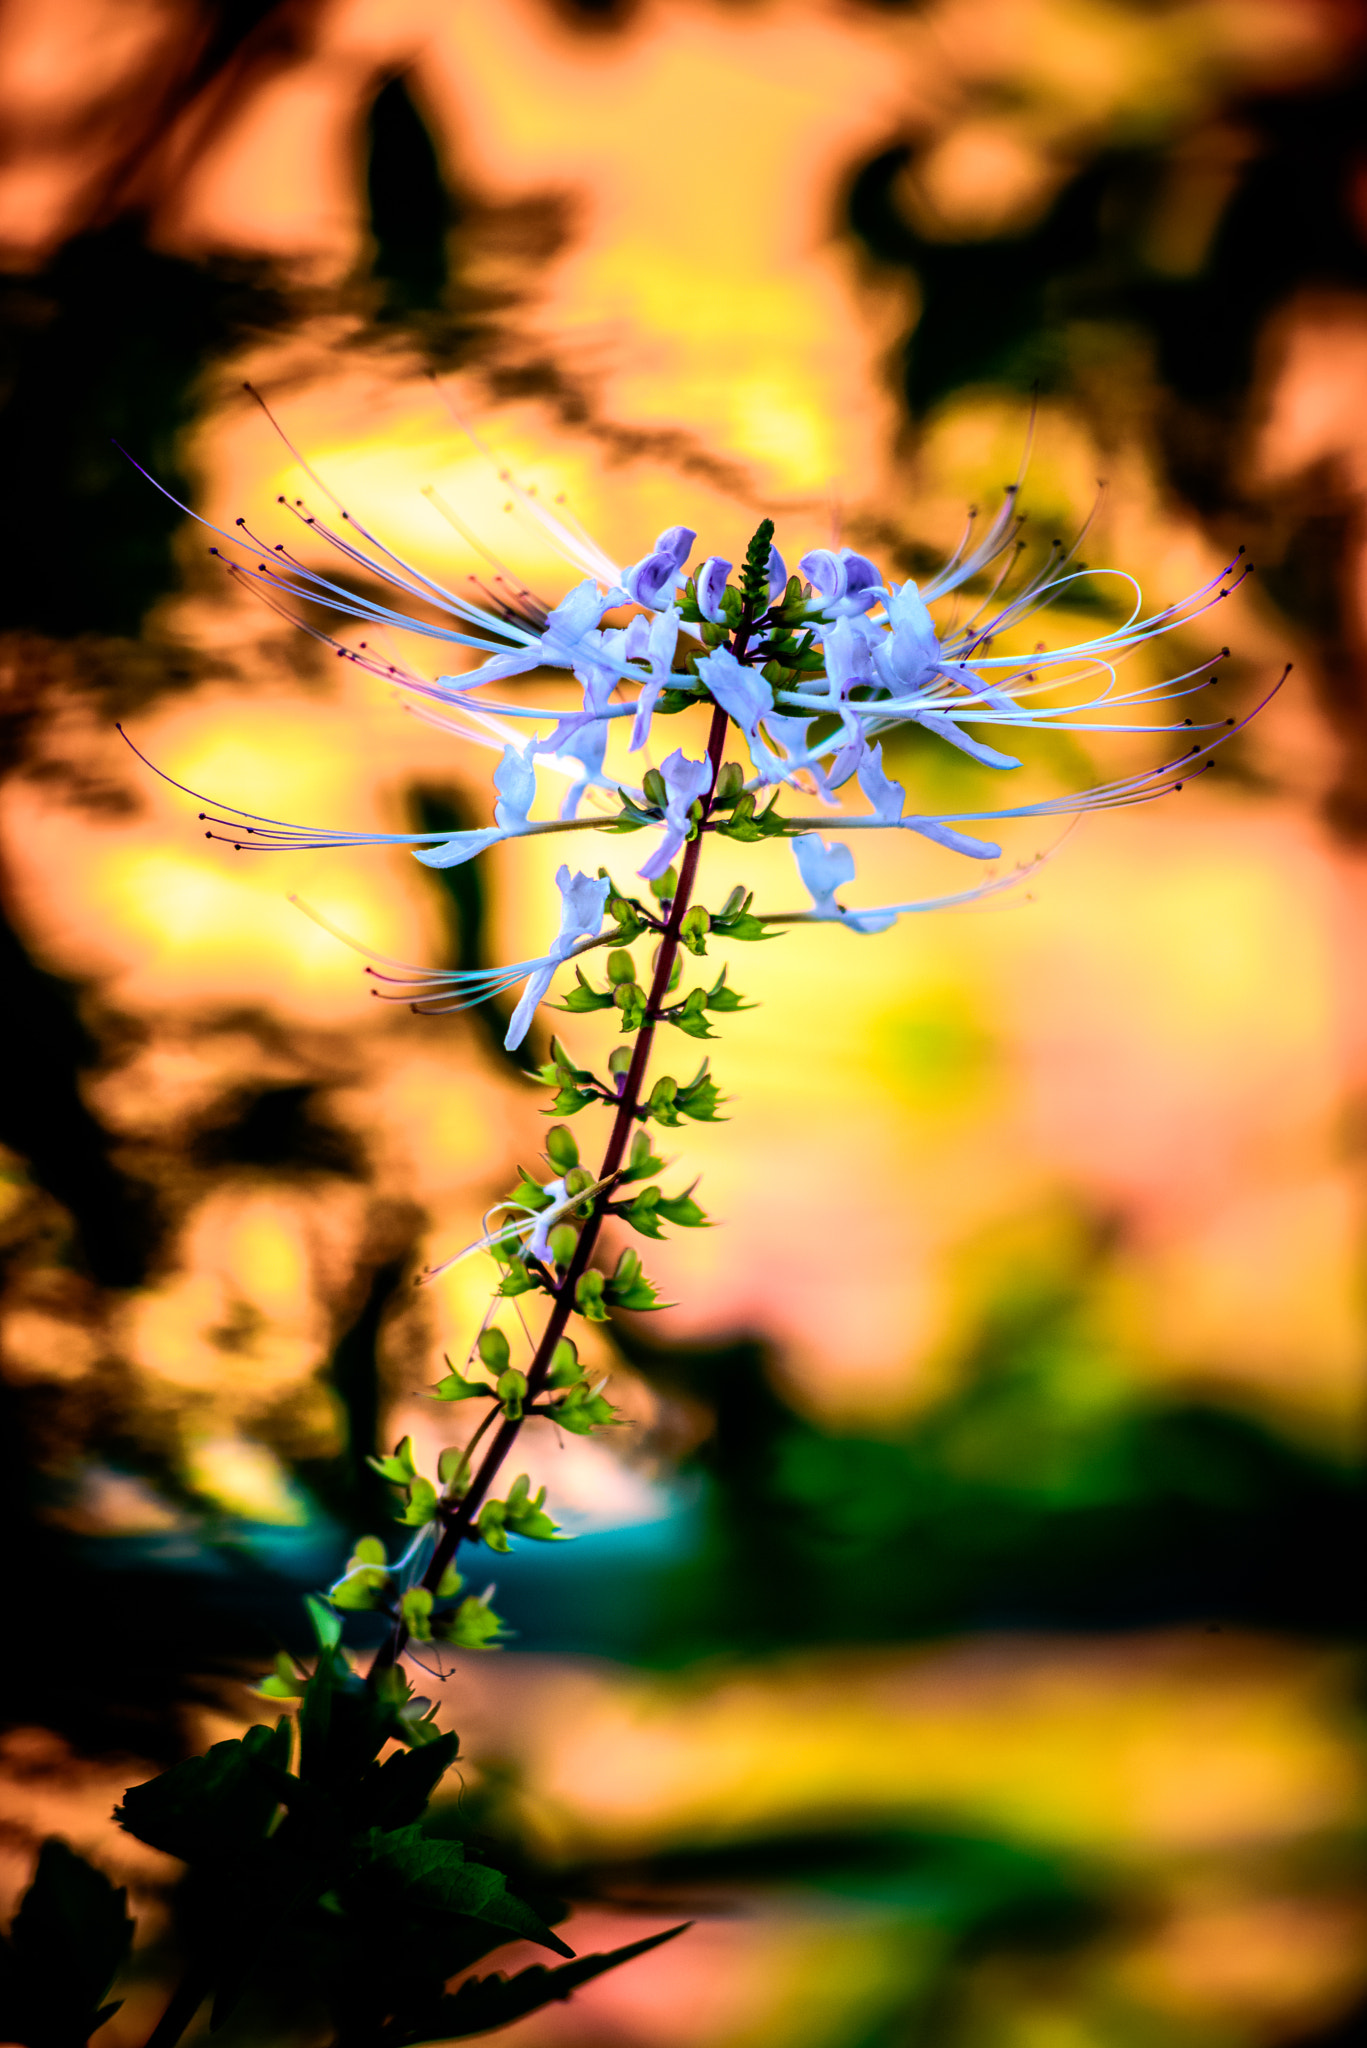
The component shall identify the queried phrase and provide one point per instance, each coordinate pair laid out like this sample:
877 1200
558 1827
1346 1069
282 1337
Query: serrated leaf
395 1794
484 2004
437 1875
67 1942
211 1807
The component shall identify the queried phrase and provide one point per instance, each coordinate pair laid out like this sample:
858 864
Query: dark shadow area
107 345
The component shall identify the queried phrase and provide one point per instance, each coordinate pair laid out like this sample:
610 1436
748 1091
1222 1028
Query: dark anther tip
1229 721
1224 654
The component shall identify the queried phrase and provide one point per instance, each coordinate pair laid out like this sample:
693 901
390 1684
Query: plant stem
186 2000
460 1521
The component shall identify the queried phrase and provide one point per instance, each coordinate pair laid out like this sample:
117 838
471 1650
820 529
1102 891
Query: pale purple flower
653 580
584 899
826 867
845 583
658 652
515 781
538 1244
685 782
888 799
709 583
742 692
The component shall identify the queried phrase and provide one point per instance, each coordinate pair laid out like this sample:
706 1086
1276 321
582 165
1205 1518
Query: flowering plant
307 1852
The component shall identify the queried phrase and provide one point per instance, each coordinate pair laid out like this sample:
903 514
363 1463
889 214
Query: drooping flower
653 580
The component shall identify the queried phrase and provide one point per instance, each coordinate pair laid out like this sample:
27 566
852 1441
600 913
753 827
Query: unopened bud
512 1392
621 967
492 1347
734 903
730 782
655 787
665 887
697 923
578 1180
589 1288
628 1269
664 1091
619 1065
563 1241
565 1368
561 1148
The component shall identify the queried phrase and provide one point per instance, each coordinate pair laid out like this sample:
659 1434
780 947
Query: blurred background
966 1630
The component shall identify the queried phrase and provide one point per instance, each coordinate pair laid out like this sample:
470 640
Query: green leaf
473 1626
399 1469
588 1297
435 1874
688 1016
581 1411
416 1609
700 1098
283 1683
630 998
211 1807
643 1213
454 1388
642 1164
524 1512
684 1211
720 997
484 2004
395 1794
422 1503
585 997
569 1101
68 1941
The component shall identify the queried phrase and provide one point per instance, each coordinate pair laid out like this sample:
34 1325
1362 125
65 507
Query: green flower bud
563 1240
730 782
492 1347
566 1370
664 1091
619 1060
512 1392
655 787
628 1269
665 887
561 1149
577 1180
621 967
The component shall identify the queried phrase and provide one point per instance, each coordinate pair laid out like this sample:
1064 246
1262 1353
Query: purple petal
709 583
646 580
677 543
